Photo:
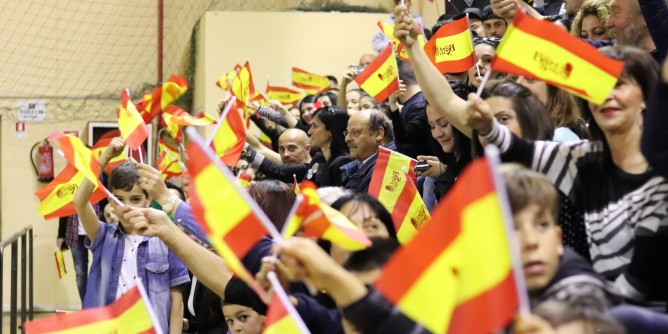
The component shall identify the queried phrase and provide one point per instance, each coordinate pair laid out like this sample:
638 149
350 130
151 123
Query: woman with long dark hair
326 134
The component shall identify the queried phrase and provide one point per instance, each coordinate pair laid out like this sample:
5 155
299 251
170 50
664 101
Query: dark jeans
80 257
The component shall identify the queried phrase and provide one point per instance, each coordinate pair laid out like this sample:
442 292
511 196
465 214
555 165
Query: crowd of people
586 183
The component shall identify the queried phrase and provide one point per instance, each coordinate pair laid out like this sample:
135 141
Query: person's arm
263 151
209 268
434 85
275 170
655 13
347 78
87 215
176 313
654 139
62 231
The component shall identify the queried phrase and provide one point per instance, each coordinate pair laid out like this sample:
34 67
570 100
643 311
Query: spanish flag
133 129
451 47
174 117
282 317
244 180
321 221
79 156
100 146
455 276
283 95
388 30
225 81
242 85
131 313
169 160
231 220
151 105
60 262
539 49
229 137
57 196
381 78
309 82
392 183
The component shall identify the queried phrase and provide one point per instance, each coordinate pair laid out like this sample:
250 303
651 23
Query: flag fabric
388 30
450 49
60 262
319 220
225 81
284 95
295 185
131 313
392 183
57 196
169 161
309 82
151 105
244 180
242 85
381 77
228 216
552 55
100 146
175 117
78 155
455 275
230 137
133 129
282 317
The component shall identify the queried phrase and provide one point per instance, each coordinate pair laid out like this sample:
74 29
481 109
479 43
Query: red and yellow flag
282 317
57 196
381 78
388 30
151 104
539 49
283 95
309 82
229 217
455 276
60 262
100 146
392 183
133 129
175 117
132 313
230 137
78 155
169 160
242 86
451 47
244 180
225 81
319 220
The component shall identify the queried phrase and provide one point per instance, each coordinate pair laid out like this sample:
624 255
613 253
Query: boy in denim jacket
121 255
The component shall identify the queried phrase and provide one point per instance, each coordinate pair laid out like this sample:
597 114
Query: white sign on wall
32 111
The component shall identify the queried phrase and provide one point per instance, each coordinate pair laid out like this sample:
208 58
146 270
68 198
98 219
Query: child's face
109 215
540 241
242 319
134 198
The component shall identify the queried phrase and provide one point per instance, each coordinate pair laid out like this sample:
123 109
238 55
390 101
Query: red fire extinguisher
44 166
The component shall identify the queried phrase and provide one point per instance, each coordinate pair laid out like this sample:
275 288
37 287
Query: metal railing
26 244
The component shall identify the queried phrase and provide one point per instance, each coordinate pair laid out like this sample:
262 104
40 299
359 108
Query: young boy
120 255
552 272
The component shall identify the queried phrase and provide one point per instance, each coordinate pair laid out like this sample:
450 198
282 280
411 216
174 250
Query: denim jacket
158 268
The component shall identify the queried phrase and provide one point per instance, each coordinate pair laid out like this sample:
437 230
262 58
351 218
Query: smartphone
421 166
357 69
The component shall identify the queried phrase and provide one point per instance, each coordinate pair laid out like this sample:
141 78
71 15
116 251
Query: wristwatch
168 206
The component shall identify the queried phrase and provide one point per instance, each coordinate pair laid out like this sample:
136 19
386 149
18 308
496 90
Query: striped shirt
619 208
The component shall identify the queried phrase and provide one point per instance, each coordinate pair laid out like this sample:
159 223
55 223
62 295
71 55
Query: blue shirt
157 267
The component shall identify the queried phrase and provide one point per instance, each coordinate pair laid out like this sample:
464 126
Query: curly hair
599 8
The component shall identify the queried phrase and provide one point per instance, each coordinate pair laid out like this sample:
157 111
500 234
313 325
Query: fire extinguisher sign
32 111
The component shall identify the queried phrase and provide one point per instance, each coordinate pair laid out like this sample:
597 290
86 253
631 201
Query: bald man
294 147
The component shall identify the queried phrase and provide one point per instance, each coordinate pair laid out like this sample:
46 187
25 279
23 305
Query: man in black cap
493 24
475 20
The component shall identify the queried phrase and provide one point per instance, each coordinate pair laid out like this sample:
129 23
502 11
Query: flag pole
293 209
483 82
492 155
262 217
283 297
221 119
149 306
